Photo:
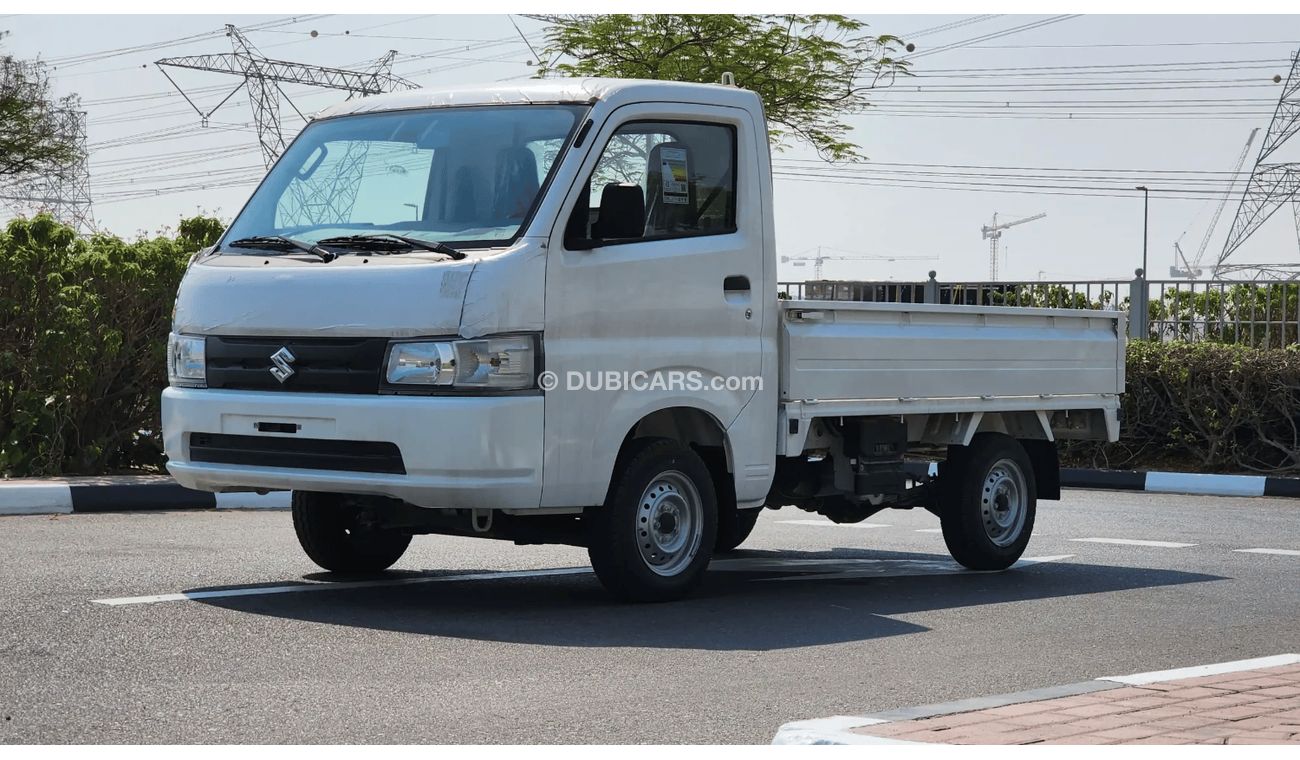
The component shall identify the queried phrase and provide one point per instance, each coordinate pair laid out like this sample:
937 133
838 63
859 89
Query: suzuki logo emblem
281 360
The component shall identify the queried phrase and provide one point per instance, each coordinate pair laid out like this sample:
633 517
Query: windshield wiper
388 242
283 243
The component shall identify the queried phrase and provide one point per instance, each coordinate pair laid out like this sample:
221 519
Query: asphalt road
809 620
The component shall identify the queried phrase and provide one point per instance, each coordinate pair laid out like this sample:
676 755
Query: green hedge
83 327
83 330
1208 407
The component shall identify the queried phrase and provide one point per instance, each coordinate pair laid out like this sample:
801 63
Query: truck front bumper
481 452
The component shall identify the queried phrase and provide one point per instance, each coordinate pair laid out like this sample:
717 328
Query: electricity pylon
64 192
1271 185
314 202
262 77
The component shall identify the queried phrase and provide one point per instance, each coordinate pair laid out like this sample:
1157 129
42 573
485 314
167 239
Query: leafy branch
810 70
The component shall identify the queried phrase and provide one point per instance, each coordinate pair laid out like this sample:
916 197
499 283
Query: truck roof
571 90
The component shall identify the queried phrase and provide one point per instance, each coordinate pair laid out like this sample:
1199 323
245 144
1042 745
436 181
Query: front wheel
336 535
652 539
989 499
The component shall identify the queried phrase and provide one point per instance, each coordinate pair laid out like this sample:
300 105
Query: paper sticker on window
675 174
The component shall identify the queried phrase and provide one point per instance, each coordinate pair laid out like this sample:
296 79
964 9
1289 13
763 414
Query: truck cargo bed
835 350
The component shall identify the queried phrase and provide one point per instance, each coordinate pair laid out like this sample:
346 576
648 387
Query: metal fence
1263 314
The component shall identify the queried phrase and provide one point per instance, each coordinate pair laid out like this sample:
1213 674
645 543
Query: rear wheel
988 502
652 539
338 537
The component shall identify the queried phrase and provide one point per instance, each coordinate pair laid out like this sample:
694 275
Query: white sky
131 106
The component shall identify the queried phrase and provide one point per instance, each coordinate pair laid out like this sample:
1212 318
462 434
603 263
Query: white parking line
303 587
1133 542
929 530
829 524
1284 552
1236 666
805 569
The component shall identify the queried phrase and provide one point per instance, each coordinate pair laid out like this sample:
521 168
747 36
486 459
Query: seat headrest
622 212
516 183
463 203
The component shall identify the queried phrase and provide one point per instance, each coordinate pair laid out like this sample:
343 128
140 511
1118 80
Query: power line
1136 44
1088 87
354 33
1118 116
307 34
1058 180
80 58
989 187
174 190
1111 68
440 69
949 26
994 167
522 36
996 35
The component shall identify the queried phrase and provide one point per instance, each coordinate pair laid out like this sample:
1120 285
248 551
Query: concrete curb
128 493
1195 484
133 493
1189 483
838 729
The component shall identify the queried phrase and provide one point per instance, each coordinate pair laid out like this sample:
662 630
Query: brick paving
1259 706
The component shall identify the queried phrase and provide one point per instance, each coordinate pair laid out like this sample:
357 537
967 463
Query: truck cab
548 313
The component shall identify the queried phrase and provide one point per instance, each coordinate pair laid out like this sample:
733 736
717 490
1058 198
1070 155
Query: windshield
465 176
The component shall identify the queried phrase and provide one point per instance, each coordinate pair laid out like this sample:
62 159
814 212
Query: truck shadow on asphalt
754 600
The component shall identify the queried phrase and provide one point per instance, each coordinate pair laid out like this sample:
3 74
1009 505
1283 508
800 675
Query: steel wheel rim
1004 502
669 523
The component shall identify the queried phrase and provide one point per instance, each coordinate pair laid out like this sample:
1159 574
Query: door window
657 180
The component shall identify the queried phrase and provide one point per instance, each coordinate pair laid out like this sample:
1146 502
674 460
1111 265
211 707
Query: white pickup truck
548 313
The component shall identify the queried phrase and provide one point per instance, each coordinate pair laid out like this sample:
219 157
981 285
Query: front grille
303 453
321 365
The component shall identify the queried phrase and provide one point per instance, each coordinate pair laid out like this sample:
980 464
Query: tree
32 141
809 70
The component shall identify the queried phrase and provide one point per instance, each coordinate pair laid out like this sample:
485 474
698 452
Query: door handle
735 282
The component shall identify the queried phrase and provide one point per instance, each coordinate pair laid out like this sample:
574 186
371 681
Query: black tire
734 526
332 535
988 502
619 532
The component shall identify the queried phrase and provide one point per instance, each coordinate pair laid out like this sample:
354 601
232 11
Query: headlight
507 363
187 360
495 362
421 363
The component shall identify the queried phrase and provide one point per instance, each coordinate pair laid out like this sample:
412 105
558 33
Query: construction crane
993 233
1191 270
819 258
1188 270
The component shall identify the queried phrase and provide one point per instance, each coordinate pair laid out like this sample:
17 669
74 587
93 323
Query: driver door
655 272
